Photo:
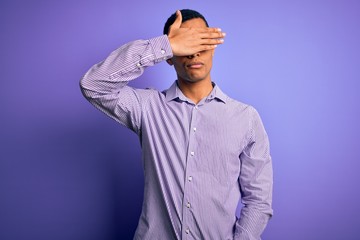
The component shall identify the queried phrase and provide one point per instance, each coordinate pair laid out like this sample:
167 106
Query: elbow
84 87
83 82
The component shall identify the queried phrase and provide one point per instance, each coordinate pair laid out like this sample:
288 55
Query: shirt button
188 205
162 51
194 129
196 107
187 231
139 64
190 178
192 153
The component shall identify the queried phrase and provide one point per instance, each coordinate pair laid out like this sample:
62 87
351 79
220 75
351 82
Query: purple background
69 172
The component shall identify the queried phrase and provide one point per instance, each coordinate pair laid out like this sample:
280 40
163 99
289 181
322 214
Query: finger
177 21
206 47
212 35
212 41
208 30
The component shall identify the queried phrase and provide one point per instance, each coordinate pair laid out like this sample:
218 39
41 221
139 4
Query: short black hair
186 14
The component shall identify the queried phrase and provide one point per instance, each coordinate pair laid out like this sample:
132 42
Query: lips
195 65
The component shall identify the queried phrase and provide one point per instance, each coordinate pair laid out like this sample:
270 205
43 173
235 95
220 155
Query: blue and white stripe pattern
199 159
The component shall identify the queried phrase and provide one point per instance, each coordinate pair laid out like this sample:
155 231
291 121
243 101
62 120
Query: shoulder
231 103
243 111
239 106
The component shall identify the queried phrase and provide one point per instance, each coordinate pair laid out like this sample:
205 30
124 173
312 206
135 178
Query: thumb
178 20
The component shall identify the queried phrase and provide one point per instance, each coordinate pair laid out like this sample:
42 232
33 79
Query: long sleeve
256 182
105 84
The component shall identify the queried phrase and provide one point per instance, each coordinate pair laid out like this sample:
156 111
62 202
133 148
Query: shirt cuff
161 47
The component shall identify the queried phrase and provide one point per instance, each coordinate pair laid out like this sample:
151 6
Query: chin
194 80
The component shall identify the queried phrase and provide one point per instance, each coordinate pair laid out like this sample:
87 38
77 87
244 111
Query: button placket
191 157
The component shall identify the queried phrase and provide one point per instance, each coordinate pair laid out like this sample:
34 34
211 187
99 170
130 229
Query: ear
170 62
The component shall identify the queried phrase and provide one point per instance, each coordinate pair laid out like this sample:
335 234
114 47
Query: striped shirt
199 159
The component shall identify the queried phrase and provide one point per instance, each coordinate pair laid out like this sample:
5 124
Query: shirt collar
216 93
174 92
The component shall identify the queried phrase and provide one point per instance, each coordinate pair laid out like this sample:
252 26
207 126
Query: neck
195 91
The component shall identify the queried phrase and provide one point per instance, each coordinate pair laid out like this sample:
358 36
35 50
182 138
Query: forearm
256 183
104 85
124 64
251 224
256 188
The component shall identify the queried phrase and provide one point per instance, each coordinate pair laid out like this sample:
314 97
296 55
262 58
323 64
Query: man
201 149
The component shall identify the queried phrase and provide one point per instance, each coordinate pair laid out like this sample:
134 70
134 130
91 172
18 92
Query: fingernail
219 29
224 34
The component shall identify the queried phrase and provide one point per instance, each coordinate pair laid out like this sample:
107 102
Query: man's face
196 67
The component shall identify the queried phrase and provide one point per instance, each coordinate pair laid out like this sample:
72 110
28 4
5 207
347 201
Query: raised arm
105 84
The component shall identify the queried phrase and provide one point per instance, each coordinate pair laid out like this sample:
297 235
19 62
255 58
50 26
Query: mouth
195 65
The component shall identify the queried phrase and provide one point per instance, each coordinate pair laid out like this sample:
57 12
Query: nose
194 55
